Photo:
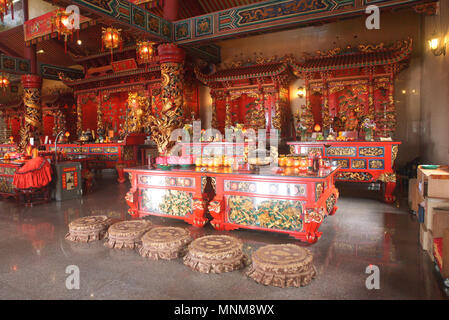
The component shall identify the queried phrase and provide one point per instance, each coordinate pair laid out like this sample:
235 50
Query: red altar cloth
36 173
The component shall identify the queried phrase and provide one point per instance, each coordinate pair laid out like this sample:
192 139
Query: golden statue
137 108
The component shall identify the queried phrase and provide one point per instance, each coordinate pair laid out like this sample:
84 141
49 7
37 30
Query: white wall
39 7
435 93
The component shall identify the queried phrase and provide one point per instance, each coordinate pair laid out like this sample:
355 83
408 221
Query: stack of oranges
292 161
217 161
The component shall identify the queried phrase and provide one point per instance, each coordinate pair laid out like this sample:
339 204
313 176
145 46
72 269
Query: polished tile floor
34 256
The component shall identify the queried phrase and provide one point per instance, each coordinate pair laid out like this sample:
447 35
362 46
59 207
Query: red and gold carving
33 110
172 72
198 213
137 109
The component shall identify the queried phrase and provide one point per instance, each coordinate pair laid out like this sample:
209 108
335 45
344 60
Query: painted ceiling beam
129 16
18 66
197 33
272 15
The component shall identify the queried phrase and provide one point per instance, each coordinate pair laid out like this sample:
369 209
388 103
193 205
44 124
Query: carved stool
87 229
165 243
215 254
126 234
282 265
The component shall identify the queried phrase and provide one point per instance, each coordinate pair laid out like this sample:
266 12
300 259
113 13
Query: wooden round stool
215 254
126 234
87 229
282 265
165 243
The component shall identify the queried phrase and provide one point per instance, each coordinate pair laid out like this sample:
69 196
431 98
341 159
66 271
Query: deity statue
352 122
137 107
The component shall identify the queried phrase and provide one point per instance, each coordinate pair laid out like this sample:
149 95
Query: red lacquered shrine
256 96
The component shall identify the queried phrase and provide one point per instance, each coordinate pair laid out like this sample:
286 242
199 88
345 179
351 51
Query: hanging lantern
4 5
4 82
111 39
144 51
63 25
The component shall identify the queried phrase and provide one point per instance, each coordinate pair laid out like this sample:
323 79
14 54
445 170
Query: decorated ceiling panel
270 15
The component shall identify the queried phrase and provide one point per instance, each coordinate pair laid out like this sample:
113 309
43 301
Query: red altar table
106 155
269 199
7 148
359 161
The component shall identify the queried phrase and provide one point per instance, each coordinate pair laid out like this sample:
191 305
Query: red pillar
171 10
29 52
32 127
171 58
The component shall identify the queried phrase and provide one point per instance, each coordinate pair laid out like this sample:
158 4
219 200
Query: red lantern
111 39
4 82
144 51
4 4
63 25
317 128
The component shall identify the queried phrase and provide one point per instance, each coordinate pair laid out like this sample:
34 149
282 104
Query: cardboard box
433 183
412 194
445 255
430 205
424 238
430 245
440 221
421 214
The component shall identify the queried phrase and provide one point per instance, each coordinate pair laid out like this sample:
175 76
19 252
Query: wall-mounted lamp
437 45
301 92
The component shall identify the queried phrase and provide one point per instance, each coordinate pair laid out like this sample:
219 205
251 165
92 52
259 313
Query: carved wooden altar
269 199
359 161
256 96
354 79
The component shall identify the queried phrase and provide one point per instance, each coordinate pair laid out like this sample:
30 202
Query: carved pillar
228 118
277 120
33 110
306 114
325 111
171 58
100 124
214 122
79 116
261 110
391 116
371 109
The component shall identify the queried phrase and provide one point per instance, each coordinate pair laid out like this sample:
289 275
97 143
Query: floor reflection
34 255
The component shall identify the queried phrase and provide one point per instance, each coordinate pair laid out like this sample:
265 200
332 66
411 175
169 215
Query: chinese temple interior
235 149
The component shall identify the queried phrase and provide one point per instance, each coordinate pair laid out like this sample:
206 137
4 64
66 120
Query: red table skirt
36 173
438 251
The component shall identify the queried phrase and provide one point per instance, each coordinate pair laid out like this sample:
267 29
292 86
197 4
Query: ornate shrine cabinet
359 161
256 96
353 82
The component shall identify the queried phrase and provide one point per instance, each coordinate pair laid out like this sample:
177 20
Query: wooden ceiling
192 8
